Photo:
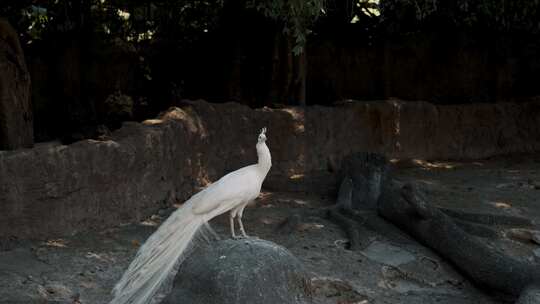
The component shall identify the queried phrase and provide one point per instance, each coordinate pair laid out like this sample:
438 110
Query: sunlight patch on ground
501 205
433 165
60 243
267 221
265 195
152 221
427 182
310 226
150 122
300 202
430 164
100 257
264 199
296 176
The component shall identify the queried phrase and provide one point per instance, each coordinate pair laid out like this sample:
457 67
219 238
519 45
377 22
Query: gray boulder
241 271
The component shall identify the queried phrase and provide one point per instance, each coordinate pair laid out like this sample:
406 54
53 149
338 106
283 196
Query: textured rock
16 122
241 272
20 277
531 295
388 254
58 190
53 189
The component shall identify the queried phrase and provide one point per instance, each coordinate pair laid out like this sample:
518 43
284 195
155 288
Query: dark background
79 53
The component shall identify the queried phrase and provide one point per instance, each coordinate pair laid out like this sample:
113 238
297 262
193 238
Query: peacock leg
239 216
241 227
231 221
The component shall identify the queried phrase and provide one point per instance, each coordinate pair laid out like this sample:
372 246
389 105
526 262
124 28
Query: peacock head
262 136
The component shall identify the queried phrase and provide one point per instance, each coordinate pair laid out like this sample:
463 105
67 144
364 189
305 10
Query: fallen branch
355 210
487 218
452 233
407 208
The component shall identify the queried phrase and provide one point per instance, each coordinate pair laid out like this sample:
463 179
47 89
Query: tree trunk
288 72
16 121
299 87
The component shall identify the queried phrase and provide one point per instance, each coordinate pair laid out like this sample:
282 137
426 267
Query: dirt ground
388 268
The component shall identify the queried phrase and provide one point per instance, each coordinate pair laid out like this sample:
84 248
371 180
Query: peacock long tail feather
157 261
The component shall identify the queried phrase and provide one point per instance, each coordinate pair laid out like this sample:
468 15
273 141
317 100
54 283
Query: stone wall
54 190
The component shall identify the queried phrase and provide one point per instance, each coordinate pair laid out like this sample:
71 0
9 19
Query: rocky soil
387 268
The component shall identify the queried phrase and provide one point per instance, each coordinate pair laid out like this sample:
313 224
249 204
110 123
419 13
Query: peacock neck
265 159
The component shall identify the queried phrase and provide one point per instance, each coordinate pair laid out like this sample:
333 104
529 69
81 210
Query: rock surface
530 295
54 190
241 272
16 122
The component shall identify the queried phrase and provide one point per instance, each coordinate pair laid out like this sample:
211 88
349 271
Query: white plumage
158 259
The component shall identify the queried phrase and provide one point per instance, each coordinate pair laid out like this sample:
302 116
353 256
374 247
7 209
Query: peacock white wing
236 186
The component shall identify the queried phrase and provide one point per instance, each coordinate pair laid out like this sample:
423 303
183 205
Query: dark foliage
81 52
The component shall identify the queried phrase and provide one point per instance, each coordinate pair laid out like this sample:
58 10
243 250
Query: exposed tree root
354 211
478 229
366 171
350 226
451 233
486 266
344 201
486 218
